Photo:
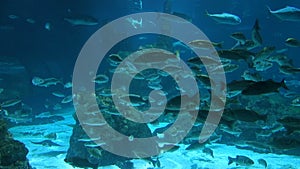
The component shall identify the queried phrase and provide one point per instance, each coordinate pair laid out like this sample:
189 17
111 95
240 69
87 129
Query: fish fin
230 160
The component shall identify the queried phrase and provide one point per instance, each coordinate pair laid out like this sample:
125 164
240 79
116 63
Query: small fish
287 13
208 151
195 145
37 81
67 99
240 160
101 79
48 143
262 65
289 70
1 90
264 54
84 20
252 76
225 18
47 82
292 42
10 103
263 87
58 94
68 85
205 44
115 59
30 20
13 16
95 152
262 162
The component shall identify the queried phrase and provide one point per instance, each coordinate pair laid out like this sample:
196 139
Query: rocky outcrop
81 156
12 153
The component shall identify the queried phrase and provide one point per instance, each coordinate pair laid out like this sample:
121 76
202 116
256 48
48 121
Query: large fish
263 87
241 160
225 18
287 13
81 20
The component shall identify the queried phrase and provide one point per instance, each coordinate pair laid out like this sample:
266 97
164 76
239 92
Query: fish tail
230 160
282 84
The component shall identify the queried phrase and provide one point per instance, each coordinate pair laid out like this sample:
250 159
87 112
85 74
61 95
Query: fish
225 18
58 94
263 87
13 16
84 20
287 13
240 160
45 82
262 65
256 37
289 70
10 103
37 81
196 145
264 54
292 42
206 44
67 99
235 54
48 143
252 76
114 59
262 162
30 20
68 85
208 151
281 60
101 79
1 90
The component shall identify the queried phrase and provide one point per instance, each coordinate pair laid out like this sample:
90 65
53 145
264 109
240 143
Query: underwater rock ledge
12 152
80 155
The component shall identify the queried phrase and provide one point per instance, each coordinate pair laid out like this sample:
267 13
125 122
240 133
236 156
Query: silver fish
287 13
225 18
81 20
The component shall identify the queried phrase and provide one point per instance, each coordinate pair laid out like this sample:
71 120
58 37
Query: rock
81 156
12 153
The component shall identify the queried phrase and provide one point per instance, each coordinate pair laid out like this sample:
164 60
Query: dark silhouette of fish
48 143
263 87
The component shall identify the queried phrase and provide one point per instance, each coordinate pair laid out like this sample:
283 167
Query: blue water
42 52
